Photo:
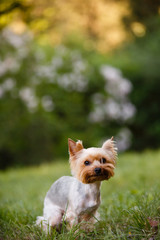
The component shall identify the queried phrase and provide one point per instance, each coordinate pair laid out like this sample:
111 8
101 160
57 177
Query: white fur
69 199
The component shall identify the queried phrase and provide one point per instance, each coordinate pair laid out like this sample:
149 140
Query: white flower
17 41
44 72
125 87
57 62
116 85
8 84
22 53
110 73
47 103
128 111
117 107
119 111
28 96
97 115
64 81
79 66
9 64
112 109
123 141
72 82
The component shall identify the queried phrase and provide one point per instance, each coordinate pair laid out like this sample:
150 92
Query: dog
75 199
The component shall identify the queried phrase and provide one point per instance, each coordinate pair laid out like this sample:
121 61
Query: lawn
130 206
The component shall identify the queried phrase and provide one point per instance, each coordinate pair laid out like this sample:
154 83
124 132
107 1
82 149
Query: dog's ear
74 147
109 146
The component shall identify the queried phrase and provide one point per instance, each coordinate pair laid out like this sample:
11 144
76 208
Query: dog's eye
103 160
86 163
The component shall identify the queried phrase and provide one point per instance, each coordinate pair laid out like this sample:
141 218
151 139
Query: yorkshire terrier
76 199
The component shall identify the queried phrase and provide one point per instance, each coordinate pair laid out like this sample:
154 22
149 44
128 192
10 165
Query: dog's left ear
74 147
109 146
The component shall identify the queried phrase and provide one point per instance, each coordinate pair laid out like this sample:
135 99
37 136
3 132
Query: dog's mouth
105 173
97 177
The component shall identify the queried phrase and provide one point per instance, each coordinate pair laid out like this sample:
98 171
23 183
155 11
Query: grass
130 206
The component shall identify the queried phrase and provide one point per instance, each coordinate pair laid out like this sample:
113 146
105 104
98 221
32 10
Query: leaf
153 223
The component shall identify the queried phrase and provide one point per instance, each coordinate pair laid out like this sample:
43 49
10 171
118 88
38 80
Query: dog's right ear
74 147
110 147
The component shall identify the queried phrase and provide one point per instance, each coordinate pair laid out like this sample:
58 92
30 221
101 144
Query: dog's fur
76 199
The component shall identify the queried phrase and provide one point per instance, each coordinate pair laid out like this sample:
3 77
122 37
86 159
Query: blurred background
86 70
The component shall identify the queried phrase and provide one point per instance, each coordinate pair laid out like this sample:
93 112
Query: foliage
139 62
143 20
98 23
48 95
101 25
129 209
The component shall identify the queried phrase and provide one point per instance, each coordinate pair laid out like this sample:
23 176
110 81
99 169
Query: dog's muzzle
97 171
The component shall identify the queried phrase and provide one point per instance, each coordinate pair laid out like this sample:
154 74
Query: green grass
130 206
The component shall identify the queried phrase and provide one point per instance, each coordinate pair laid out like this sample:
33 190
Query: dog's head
92 164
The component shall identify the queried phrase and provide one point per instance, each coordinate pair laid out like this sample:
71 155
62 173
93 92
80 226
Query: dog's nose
97 170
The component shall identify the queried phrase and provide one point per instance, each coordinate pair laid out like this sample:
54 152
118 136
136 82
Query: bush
48 95
141 65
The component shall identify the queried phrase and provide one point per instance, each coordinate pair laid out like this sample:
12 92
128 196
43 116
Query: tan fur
109 146
86 174
74 147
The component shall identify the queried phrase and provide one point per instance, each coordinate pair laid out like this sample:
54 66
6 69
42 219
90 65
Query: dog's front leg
71 219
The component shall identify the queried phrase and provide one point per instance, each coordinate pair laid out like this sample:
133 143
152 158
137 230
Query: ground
130 206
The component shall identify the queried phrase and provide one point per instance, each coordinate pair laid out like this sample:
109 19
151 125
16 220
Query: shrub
48 95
